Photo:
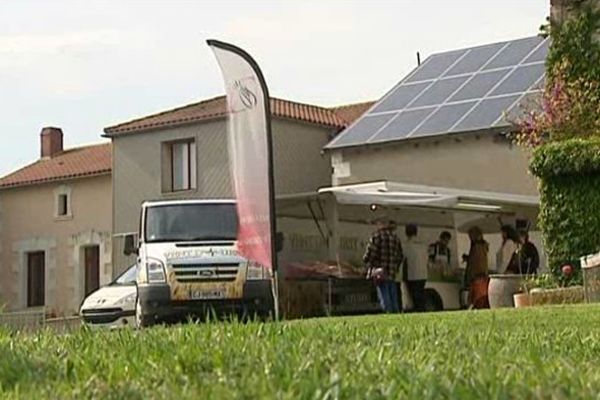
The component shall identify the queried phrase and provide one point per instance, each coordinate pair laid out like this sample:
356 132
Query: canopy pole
332 224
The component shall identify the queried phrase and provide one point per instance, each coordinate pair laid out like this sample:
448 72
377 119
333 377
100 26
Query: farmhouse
55 227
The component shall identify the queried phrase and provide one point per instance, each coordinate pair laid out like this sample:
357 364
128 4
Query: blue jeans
388 296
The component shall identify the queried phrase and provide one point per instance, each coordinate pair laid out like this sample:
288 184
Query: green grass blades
530 353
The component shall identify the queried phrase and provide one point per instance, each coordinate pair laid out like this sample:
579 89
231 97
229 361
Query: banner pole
271 178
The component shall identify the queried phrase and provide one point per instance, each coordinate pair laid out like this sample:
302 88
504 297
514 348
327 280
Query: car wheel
142 320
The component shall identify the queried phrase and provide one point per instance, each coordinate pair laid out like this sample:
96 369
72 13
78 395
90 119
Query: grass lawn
508 354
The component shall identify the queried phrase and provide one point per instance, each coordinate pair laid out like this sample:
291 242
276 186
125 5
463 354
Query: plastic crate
590 267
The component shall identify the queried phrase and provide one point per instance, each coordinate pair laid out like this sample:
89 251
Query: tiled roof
71 163
350 112
217 108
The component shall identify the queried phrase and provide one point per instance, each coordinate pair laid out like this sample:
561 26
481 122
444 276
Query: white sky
85 65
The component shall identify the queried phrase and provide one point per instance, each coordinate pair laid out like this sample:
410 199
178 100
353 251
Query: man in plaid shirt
382 258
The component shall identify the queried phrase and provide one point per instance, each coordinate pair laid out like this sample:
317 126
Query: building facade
447 124
55 227
182 153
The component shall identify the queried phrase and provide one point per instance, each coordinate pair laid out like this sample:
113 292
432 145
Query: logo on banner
242 95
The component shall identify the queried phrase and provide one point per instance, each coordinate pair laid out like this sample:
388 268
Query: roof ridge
299 103
85 146
484 45
77 161
328 110
170 110
360 103
213 108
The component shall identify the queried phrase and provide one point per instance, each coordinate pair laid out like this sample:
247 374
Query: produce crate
590 267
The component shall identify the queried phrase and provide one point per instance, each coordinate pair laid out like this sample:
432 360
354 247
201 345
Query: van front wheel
142 320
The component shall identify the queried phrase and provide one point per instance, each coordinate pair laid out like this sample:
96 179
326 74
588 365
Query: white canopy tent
466 207
345 212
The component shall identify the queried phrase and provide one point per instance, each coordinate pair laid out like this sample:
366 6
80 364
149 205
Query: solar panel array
457 91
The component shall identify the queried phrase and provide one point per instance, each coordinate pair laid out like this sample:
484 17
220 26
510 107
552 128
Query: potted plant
546 289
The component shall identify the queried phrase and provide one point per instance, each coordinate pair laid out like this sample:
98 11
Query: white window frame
188 166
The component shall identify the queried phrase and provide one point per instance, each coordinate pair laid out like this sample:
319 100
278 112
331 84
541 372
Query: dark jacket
530 258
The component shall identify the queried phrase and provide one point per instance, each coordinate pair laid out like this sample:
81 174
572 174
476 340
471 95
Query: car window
127 277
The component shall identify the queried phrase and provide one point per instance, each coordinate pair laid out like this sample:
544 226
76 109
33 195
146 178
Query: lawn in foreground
534 353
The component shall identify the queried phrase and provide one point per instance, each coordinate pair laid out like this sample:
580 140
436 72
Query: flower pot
521 300
502 288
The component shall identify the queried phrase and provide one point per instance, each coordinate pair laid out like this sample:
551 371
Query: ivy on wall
565 134
569 173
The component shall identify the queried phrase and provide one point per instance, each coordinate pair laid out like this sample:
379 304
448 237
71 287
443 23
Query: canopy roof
423 205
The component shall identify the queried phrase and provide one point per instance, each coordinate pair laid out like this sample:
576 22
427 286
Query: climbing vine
565 131
570 104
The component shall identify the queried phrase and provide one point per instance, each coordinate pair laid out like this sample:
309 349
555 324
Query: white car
112 305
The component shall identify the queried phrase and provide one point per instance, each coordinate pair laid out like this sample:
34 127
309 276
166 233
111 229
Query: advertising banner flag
250 152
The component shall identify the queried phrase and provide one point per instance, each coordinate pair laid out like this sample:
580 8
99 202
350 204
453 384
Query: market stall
326 233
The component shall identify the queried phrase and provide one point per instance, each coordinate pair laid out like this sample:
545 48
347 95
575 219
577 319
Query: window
183 165
63 205
36 279
62 201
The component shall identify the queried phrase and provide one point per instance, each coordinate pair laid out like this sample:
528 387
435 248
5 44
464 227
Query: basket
590 267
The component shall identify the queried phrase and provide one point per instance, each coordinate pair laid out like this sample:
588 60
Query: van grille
188 273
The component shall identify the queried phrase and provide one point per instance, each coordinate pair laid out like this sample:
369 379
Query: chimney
51 142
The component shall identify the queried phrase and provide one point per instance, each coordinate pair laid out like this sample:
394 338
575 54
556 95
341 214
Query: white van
189 265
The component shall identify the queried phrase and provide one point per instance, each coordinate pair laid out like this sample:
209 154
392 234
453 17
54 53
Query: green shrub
569 184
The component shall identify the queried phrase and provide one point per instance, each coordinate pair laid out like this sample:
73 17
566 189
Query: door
36 279
92 268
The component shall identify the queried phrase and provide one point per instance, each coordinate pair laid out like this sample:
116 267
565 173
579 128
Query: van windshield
191 222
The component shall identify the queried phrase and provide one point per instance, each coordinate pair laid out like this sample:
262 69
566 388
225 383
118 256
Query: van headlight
155 271
129 299
254 271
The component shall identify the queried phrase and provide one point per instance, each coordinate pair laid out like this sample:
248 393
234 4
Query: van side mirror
130 247
279 239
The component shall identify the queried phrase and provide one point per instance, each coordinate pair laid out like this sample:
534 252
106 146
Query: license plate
206 294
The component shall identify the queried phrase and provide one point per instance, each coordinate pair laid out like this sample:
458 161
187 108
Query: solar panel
435 66
486 113
479 85
443 119
455 91
364 128
439 91
403 124
530 101
475 59
401 97
520 79
514 53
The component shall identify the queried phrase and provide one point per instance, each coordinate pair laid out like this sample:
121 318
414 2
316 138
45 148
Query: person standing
507 257
439 254
382 258
529 255
416 267
398 273
476 272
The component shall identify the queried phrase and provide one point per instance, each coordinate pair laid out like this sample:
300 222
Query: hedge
569 184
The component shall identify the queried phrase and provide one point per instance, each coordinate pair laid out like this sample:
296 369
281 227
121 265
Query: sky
86 65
